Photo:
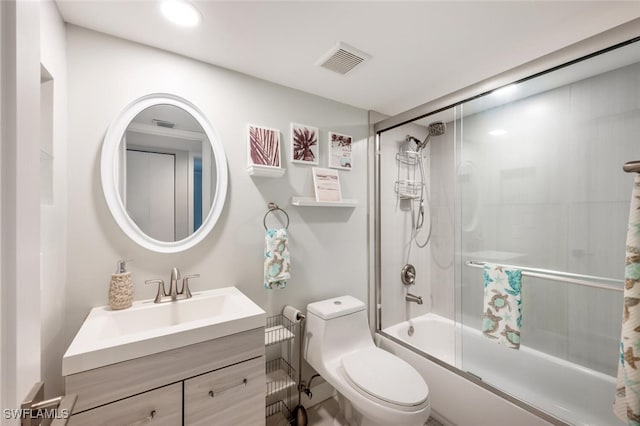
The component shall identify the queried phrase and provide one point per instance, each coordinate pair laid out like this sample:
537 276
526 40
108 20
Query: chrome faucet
173 287
413 298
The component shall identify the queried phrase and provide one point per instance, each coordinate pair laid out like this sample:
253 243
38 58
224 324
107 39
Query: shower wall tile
545 319
435 263
608 94
593 323
442 246
601 251
396 240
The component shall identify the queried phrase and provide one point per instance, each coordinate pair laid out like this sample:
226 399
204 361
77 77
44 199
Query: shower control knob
408 274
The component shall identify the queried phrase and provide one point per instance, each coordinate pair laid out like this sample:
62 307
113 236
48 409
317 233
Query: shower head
437 128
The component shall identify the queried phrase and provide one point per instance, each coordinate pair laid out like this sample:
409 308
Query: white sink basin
108 336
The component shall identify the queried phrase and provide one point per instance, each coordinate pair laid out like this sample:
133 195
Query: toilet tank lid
336 307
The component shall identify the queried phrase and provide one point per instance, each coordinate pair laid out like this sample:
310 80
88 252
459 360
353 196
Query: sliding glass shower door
514 221
541 190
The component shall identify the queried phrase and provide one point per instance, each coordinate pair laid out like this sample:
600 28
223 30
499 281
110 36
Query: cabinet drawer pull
150 417
214 394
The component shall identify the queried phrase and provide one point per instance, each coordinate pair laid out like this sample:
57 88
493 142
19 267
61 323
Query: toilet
375 387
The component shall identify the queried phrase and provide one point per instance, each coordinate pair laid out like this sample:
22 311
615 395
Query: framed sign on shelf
327 185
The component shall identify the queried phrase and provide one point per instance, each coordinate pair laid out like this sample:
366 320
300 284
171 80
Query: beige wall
20 228
53 211
328 245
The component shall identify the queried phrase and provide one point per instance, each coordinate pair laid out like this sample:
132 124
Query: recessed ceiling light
181 13
498 132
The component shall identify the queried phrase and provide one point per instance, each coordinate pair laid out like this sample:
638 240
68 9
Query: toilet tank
335 327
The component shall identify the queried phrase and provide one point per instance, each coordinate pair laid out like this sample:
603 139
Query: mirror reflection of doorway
151 193
197 194
161 210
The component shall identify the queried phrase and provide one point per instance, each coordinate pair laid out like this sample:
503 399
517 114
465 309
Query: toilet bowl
375 387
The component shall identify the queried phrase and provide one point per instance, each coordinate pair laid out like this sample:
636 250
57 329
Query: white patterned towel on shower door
627 402
502 316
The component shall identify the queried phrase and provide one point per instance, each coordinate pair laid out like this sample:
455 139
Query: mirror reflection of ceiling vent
342 58
163 123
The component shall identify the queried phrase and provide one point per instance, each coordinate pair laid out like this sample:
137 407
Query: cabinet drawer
165 404
230 396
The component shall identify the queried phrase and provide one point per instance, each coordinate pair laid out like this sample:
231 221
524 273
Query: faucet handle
185 285
161 290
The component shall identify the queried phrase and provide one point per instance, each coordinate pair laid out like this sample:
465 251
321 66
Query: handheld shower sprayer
420 204
437 128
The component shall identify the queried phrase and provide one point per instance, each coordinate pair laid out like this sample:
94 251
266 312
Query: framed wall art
304 144
263 148
340 150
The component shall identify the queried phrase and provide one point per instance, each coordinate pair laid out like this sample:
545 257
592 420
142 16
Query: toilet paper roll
292 314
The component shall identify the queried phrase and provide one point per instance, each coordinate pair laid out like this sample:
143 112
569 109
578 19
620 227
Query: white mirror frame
110 171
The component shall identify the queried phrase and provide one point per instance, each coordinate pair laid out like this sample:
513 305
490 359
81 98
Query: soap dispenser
121 287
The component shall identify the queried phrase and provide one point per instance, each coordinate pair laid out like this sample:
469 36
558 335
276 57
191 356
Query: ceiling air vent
342 58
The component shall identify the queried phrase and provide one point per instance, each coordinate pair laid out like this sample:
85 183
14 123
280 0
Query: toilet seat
381 375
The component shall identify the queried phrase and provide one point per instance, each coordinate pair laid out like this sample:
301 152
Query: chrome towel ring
272 208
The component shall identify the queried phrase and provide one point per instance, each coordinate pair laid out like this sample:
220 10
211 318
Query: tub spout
413 298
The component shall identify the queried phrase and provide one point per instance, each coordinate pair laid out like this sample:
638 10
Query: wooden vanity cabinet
217 382
159 407
229 396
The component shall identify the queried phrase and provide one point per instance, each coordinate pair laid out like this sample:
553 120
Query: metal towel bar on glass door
566 277
631 167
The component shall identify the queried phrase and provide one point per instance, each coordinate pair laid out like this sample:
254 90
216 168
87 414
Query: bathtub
559 390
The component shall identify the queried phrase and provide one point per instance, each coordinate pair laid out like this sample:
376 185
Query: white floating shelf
265 171
277 334
278 381
311 202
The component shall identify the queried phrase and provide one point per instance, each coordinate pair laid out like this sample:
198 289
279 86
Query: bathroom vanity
194 360
222 379
170 374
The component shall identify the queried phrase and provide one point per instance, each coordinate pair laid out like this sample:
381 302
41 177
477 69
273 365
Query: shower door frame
611 39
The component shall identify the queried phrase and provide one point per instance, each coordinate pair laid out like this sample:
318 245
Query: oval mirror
164 173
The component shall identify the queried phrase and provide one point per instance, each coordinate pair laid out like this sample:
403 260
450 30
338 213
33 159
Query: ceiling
420 50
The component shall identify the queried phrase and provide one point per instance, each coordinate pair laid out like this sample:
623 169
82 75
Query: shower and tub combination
524 177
